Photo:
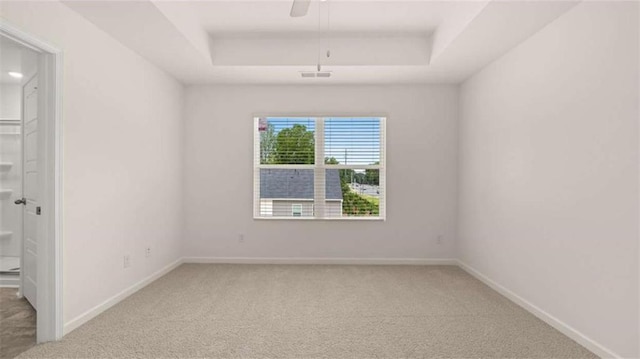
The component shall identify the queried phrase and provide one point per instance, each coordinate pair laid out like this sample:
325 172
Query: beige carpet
282 311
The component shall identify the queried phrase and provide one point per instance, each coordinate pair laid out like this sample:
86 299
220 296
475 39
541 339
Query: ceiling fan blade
299 8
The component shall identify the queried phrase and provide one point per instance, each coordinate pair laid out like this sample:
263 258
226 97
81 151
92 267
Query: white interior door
31 209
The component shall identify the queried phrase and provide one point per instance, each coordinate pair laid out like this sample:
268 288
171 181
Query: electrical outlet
127 261
439 240
147 252
241 238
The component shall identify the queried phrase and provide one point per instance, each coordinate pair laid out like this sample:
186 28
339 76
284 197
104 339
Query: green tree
372 177
354 204
294 146
267 145
346 176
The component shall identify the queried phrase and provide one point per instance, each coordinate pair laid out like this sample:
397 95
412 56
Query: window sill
380 219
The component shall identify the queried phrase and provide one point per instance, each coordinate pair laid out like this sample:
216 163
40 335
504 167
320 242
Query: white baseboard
303 260
559 325
10 281
95 311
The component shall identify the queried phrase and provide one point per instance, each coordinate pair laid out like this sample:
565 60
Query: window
296 210
319 167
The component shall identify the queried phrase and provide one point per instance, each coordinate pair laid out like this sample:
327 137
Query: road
369 190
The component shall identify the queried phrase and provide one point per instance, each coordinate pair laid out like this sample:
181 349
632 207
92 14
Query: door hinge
38 210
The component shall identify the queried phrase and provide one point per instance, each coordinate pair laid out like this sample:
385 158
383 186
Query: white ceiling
371 42
345 16
15 57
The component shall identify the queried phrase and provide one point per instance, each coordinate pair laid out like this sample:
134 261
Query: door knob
21 201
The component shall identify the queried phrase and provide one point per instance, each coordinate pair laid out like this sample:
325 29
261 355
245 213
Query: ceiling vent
312 74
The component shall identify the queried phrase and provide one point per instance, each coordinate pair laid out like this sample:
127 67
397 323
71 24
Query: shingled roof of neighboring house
296 184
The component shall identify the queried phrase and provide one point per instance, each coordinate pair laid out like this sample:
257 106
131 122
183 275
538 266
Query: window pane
352 192
287 175
286 140
352 141
296 210
285 191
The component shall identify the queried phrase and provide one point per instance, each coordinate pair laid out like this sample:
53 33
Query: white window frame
295 206
320 168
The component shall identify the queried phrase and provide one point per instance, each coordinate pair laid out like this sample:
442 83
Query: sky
350 140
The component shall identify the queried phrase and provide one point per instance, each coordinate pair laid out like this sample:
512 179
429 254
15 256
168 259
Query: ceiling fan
299 8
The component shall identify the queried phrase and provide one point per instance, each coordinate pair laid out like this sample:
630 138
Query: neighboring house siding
282 208
333 209
282 189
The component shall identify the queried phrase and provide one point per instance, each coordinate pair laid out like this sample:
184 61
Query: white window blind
323 167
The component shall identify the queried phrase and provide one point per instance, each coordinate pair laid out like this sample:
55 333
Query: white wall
421 173
549 172
10 101
122 153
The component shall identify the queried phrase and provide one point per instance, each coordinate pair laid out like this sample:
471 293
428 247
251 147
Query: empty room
320 179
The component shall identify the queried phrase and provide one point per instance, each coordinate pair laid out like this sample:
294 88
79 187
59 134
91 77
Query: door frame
49 272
